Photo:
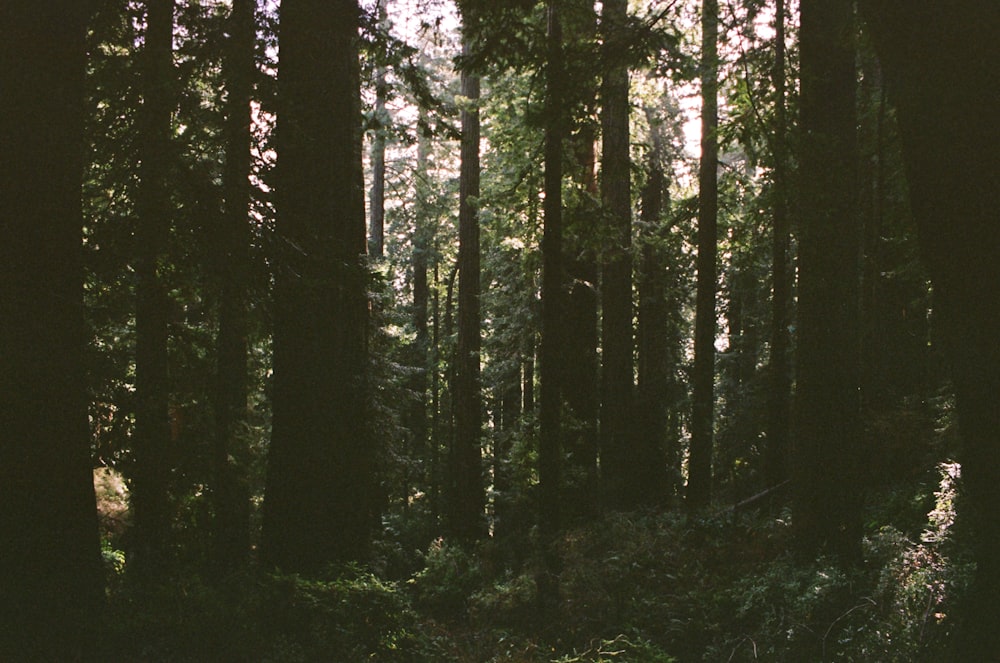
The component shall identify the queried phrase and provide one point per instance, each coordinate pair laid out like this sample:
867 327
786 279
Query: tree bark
779 365
321 493
468 501
581 388
618 461
149 489
423 234
699 489
943 86
653 392
231 494
376 230
51 586
826 482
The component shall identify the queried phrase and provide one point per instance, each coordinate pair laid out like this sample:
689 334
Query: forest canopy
542 330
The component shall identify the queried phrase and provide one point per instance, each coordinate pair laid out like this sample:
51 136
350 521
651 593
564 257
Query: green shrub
444 587
354 617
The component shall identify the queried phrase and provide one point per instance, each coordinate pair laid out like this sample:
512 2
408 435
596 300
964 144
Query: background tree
320 483
941 86
467 501
150 490
618 461
376 227
699 489
582 222
550 357
51 592
231 490
827 415
779 366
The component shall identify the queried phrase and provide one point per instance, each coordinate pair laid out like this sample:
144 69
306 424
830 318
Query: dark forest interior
538 330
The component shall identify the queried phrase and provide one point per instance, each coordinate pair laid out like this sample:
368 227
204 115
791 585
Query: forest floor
642 587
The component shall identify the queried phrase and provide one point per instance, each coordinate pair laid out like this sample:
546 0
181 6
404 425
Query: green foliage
354 617
451 575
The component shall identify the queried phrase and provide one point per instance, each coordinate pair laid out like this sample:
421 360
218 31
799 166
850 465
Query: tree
232 526
154 208
467 503
320 491
779 395
376 231
51 592
654 339
617 436
699 489
827 429
550 356
942 86
580 387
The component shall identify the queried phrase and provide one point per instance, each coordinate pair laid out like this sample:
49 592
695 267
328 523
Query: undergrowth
639 587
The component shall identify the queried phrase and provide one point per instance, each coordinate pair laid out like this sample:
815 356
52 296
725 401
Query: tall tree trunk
779 366
376 230
618 461
423 233
321 491
152 427
653 336
944 87
581 387
699 489
826 486
469 499
231 494
50 589
550 356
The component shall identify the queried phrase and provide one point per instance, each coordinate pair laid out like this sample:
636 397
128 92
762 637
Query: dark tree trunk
154 207
618 460
699 489
944 85
423 233
550 355
826 485
321 491
779 366
653 338
50 589
510 414
468 501
581 392
376 230
231 494
528 379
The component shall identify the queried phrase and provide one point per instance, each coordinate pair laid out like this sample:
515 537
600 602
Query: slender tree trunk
437 429
618 462
154 206
653 337
779 396
423 233
376 230
581 387
231 494
550 356
468 501
944 90
50 588
826 485
528 378
699 489
321 492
